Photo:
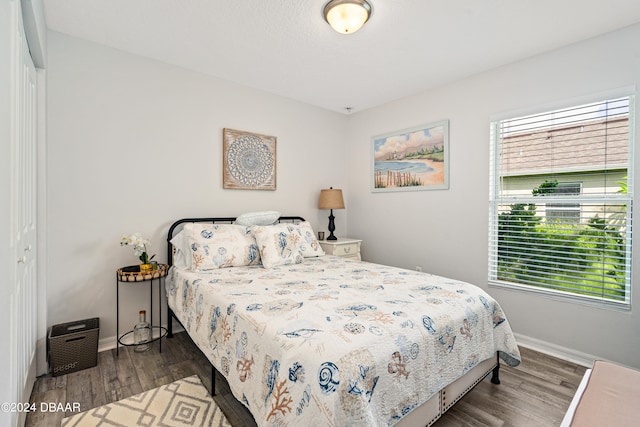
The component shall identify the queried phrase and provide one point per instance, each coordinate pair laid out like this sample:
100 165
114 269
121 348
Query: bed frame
426 414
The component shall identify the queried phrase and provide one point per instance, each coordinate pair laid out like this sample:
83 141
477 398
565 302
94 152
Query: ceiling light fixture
347 16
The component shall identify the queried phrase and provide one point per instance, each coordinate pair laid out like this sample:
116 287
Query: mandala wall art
249 160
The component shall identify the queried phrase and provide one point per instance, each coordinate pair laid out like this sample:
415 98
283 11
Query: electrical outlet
418 268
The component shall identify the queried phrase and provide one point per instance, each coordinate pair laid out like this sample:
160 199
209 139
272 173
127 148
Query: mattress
334 341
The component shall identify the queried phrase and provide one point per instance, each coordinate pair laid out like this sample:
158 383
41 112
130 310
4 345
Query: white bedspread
337 342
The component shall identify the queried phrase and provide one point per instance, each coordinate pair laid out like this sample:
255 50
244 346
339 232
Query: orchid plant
139 244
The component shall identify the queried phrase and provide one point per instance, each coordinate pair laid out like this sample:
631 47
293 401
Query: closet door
23 297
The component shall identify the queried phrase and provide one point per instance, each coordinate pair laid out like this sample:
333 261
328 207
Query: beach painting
412 159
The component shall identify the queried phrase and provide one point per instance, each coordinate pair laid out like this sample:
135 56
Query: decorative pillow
309 245
258 218
279 244
221 245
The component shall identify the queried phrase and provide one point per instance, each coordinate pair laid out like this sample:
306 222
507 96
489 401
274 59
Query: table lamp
331 199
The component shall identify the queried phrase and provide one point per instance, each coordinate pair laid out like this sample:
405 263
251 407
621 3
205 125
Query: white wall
445 232
135 144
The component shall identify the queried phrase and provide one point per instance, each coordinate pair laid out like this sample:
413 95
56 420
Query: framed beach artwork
412 159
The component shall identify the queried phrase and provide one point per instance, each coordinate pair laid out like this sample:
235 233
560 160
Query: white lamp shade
347 16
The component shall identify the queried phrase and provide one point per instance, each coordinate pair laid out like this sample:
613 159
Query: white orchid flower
139 244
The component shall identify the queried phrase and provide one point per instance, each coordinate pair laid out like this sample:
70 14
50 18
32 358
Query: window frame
495 200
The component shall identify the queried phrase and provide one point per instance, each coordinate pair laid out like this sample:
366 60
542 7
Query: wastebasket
73 346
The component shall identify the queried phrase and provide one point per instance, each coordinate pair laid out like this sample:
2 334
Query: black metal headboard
224 220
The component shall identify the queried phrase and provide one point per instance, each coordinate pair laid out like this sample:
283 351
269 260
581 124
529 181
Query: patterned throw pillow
278 244
309 245
221 245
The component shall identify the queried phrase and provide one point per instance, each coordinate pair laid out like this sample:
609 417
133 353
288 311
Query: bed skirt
430 411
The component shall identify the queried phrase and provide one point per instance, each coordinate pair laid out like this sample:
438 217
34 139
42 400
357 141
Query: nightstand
133 274
344 247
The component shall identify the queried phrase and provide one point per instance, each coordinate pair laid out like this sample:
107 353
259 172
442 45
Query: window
560 199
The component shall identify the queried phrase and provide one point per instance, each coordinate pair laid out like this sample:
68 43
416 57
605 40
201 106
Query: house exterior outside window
560 198
569 212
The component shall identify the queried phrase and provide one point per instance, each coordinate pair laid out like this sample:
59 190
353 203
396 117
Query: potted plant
139 244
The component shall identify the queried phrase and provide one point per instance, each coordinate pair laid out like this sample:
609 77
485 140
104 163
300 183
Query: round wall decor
249 160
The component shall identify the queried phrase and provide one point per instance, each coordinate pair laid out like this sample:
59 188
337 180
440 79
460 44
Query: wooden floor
537 393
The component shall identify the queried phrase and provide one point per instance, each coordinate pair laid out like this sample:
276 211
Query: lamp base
331 227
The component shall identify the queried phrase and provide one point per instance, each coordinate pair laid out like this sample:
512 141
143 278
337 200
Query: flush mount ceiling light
347 16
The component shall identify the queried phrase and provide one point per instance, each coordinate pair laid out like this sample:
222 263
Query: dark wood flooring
537 393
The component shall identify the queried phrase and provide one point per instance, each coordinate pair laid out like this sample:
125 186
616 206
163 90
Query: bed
305 338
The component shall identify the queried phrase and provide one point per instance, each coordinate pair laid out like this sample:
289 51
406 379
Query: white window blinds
560 202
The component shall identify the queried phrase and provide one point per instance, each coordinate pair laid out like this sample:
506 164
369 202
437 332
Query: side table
132 273
344 247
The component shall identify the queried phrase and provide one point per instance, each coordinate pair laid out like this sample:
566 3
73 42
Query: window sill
563 296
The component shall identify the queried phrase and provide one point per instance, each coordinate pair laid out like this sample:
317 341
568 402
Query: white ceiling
285 47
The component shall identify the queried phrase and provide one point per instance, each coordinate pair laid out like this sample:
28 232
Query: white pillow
258 218
309 245
221 245
279 244
181 253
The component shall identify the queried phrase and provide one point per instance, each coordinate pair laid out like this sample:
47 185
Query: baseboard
564 353
109 343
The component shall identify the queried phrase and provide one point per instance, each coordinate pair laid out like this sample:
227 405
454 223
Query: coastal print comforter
335 342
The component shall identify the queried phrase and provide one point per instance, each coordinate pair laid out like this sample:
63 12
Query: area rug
182 403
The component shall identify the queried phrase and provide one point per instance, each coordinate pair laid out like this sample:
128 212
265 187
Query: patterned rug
182 403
